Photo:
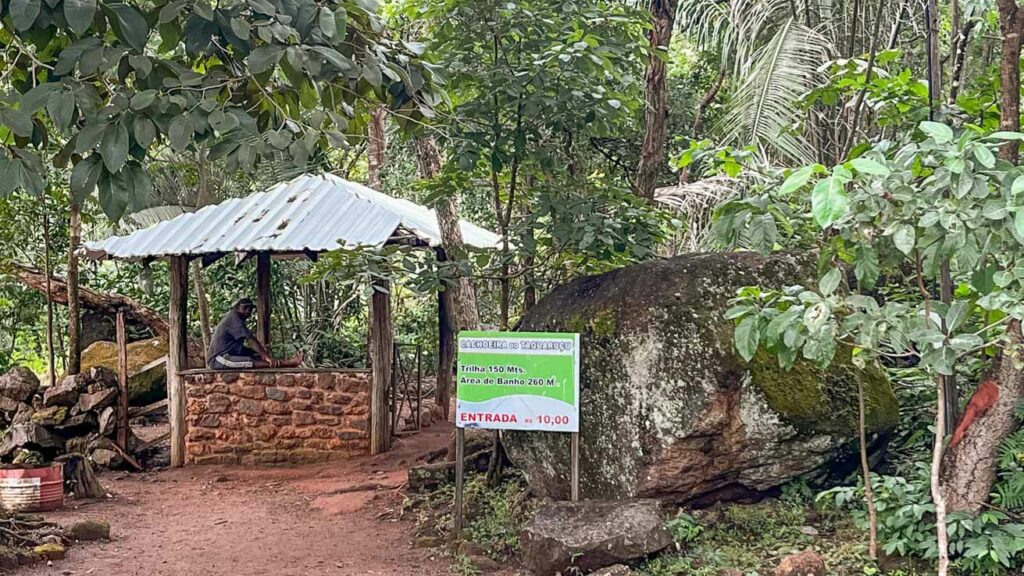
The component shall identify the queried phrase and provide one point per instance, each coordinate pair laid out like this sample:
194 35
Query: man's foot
293 362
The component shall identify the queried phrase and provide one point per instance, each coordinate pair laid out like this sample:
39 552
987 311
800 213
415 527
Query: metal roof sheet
315 213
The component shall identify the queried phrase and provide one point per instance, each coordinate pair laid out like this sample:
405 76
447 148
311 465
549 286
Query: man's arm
261 350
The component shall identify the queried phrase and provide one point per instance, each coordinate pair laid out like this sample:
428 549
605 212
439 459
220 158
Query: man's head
245 307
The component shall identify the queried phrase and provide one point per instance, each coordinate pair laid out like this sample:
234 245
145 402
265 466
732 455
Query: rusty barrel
32 489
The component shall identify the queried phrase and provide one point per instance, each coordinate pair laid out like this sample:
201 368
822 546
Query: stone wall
276 417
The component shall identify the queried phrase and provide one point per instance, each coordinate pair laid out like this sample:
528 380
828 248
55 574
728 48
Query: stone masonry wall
275 417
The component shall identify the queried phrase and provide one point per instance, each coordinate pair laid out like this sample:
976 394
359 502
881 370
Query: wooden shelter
300 218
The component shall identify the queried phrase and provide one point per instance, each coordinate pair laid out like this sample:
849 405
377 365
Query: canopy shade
311 213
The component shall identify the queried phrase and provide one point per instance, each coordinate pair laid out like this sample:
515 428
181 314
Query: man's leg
235 362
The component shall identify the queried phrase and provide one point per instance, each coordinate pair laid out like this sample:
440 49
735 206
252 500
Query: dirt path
213 521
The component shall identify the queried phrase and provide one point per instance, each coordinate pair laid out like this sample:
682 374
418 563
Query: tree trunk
202 199
969 467
107 304
48 272
74 320
463 294
1011 23
656 98
376 145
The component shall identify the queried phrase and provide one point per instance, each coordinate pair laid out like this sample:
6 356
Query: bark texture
969 467
1011 24
74 324
376 145
663 14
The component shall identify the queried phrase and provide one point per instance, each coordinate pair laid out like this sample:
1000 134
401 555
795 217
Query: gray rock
103 376
108 421
97 400
30 436
24 414
669 410
64 393
9 406
52 416
592 534
77 424
19 384
106 458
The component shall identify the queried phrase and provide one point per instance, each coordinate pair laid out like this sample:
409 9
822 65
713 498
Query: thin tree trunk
656 98
959 61
48 270
937 497
74 320
859 101
869 493
463 295
698 117
376 145
1011 22
202 199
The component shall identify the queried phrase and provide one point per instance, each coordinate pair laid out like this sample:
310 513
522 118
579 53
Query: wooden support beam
177 320
122 382
381 351
263 298
445 345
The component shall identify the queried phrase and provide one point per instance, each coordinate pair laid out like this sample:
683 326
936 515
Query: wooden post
177 361
381 349
263 298
460 471
122 383
445 345
419 385
574 463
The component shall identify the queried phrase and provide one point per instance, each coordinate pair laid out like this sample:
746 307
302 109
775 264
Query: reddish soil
337 518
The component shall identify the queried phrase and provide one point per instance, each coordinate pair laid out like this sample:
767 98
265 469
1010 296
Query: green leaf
984 156
869 166
17 121
341 21
37 97
85 176
264 58
797 180
956 315
372 74
866 267
143 99
222 122
114 146
142 187
904 237
748 337
145 131
113 198
129 24
829 282
1018 222
61 108
79 14
24 13
180 132
1006 136
10 175
828 201
939 132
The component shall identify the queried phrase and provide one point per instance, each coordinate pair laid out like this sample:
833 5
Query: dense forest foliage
589 134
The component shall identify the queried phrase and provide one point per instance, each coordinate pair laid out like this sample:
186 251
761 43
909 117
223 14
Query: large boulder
574 537
668 408
19 384
147 380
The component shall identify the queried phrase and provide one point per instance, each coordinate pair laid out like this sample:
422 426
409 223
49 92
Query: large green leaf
114 146
939 132
85 176
61 108
828 201
79 14
264 58
130 26
10 175
748 336
904 236
113 198
180 133
24 13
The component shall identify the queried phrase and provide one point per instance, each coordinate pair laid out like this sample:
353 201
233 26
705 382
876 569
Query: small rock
28 435
592 534
49 551
9 405
51 416
19 384
221 478
484 564
97 400
806 563
108 421
28 558
90 530
77 424
106 458
63 394
24 414
613 570
103 376
809 530
427 542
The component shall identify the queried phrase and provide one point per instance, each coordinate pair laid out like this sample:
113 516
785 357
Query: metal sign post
517 381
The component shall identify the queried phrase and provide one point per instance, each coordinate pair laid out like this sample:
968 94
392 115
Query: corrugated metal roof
314 213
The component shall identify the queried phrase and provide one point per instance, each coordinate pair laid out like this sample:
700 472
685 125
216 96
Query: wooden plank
122 381
155 441
381 350
177 318
158 362
159 406
263 298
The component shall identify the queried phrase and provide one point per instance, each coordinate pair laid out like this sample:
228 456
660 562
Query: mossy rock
148 382
669 410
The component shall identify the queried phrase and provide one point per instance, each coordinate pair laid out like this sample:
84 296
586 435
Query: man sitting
228 350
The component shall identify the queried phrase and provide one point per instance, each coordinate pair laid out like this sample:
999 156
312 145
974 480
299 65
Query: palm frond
762 111
696 202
